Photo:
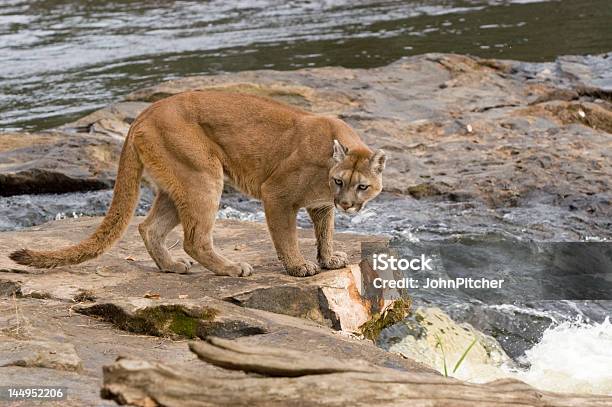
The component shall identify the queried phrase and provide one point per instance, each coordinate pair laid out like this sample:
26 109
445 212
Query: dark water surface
62 59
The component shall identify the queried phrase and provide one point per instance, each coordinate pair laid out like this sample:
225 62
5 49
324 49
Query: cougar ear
339 151
377 162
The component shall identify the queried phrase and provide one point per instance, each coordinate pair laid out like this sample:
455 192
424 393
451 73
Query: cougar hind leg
162 218
192 177
197 212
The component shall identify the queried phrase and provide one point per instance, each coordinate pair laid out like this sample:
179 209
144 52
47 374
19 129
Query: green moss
395 313
170 320
183 325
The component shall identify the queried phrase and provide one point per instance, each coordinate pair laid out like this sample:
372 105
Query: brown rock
457 128
329 298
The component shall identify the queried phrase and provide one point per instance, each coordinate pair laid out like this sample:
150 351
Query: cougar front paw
180 266
303 270
338 260
236 270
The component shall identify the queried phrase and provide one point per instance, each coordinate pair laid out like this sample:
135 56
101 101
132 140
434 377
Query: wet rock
55 162
434 339
516 329
45 354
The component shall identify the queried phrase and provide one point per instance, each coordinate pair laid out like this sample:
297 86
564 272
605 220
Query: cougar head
356 177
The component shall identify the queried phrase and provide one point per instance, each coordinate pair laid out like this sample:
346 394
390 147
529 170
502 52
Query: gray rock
56 162
46 354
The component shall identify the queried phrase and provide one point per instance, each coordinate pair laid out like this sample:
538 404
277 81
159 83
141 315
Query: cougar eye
338 181
362 187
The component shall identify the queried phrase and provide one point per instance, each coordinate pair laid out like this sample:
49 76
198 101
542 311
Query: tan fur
279 154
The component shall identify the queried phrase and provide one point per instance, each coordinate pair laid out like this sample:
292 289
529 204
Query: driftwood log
279 377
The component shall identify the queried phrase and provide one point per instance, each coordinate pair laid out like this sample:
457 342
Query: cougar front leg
323 220
282 225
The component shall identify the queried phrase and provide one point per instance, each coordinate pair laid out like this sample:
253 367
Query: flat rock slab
27 321
47 354
56 162
205 317
329 298
112 328
121 305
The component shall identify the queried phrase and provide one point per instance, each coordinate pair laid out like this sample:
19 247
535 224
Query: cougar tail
114 224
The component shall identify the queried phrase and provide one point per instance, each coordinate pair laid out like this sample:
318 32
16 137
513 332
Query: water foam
572 357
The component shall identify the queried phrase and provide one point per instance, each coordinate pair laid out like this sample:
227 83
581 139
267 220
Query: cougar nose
345 205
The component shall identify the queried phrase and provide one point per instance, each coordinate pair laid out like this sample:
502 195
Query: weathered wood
305 379
273 361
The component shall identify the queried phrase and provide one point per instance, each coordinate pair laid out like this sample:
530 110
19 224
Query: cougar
188 143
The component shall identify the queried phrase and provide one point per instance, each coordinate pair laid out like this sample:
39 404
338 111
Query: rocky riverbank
522 147
477 147
67 326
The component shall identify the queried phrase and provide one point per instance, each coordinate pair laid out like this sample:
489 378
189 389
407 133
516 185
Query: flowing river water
63 59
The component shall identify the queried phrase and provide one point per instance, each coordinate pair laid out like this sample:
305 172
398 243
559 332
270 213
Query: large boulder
55 162
434 339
